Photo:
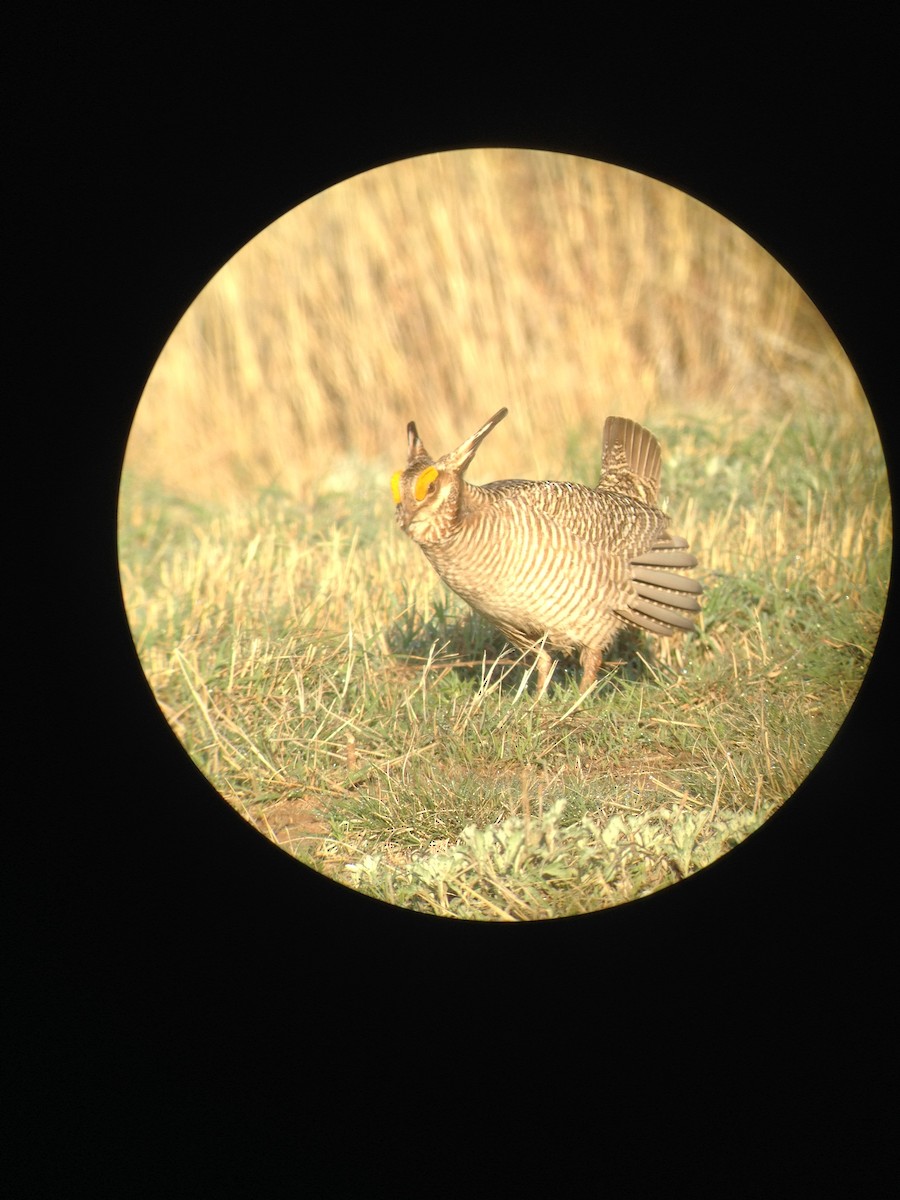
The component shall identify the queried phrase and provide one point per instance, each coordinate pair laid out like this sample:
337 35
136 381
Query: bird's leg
545 665
591 661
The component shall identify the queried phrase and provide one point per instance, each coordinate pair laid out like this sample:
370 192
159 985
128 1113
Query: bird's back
543 560
547 558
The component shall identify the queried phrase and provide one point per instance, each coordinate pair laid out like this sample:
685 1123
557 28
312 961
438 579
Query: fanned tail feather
631 460
664 601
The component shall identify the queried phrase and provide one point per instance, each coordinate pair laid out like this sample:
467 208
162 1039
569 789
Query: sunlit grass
339 697
315 667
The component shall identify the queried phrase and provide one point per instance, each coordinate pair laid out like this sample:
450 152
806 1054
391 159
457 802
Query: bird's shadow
474 652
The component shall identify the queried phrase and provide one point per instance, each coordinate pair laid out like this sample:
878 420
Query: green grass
308 657
355 711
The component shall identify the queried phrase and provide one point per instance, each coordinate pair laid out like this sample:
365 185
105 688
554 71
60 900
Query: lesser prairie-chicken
559 568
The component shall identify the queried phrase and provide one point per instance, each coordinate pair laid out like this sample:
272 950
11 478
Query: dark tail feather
664 601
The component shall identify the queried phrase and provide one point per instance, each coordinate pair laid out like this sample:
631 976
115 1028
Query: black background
192 1011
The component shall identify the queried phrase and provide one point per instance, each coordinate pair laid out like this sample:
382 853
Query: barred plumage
555 566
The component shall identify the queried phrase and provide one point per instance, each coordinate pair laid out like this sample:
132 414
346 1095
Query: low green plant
358 713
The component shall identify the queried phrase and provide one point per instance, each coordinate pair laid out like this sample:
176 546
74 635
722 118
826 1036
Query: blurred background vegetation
439 288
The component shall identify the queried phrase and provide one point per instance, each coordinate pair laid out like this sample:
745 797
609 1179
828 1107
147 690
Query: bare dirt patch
292 824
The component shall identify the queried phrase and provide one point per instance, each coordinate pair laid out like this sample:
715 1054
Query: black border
167 958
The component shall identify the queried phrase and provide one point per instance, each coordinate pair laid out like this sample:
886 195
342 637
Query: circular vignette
311 662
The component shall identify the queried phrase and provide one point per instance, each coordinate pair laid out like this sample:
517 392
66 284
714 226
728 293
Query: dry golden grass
440 287
309 658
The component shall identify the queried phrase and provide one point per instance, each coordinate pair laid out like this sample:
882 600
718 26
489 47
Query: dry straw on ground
314 665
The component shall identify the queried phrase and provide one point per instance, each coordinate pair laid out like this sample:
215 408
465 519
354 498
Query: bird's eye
426 482
395 486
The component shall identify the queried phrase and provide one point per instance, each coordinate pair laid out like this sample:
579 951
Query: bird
559 568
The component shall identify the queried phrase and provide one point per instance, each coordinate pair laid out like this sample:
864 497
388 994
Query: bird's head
428 493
